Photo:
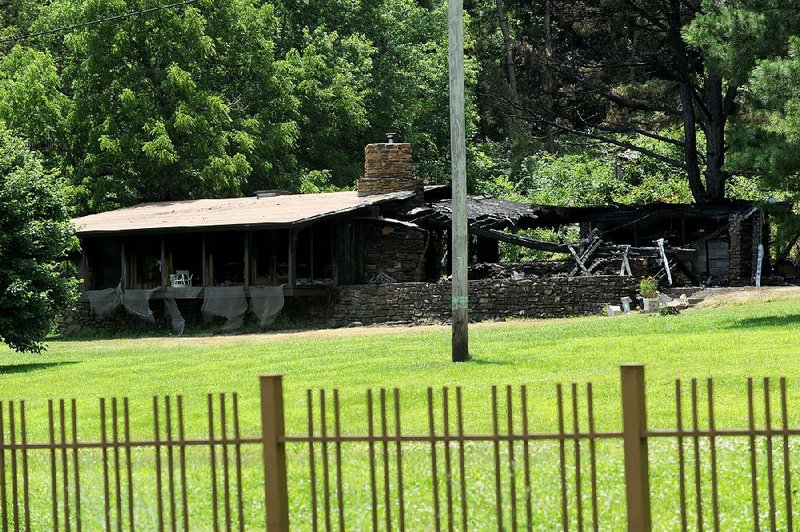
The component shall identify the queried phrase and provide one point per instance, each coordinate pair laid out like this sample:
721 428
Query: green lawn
729 344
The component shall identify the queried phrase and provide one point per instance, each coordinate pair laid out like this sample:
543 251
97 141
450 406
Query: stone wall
80 318
388 168
430 302
395 249
743 245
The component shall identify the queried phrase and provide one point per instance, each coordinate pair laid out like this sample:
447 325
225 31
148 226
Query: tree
36 284
619 69
175 104
757 45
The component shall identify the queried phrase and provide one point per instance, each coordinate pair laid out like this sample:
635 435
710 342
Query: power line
97 21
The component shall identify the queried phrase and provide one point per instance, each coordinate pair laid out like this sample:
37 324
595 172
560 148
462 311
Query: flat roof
276 211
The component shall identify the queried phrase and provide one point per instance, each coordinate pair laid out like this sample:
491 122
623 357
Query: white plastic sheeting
266 303
176 319
229 302
105 303
137 303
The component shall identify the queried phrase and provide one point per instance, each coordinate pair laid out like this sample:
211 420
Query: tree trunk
715 137
689 118
547 77
507 41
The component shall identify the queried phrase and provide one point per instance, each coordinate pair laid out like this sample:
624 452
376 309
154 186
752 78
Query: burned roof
277 211
482 211
492 213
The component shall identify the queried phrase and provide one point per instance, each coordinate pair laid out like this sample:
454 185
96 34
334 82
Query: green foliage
172 105
648 287
35 235
31 103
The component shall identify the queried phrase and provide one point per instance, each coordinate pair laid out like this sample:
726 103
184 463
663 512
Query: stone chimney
388 167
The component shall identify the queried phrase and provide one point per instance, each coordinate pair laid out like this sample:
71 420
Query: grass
729 343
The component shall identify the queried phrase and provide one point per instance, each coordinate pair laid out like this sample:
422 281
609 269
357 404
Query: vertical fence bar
75 466
371 444
753 472
401 514
337 428
3 501
26 504
226 478
511 461
115 439
157 446
212 457
523 397
182 462
713 444
681 461
326 487
274 446
173 519
312 466
498 494
104 439
237 449
12 429
698 496
461 458
447 457
385 445
770 462
577 443
434 466
126 421
53 483
592 454
634 425
62 415
787 475
562 458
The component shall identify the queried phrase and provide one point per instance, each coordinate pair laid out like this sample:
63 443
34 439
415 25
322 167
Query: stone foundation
489 299
398 303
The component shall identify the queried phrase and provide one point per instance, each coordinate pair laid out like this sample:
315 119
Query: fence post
272 433
634 423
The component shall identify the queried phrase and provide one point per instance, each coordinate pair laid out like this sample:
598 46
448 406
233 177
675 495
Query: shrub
648 287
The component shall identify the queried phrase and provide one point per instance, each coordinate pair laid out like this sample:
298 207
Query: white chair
180 279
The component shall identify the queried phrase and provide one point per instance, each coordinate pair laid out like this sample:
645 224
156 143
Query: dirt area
720 297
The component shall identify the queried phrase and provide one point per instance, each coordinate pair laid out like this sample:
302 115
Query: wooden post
123 276
272 433
292 256
459 185
164 269
247 238
634 423
205 260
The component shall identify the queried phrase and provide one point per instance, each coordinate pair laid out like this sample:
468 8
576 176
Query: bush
648 288
36 281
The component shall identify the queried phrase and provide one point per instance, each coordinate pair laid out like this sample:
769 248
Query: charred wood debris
501 220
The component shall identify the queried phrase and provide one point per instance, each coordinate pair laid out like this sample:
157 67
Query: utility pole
458 163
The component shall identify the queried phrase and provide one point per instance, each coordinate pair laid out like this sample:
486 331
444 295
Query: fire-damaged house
380 254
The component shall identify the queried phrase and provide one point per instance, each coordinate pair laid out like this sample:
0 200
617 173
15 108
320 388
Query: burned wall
744 232
396 249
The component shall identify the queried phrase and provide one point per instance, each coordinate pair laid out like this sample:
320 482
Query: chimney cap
390 138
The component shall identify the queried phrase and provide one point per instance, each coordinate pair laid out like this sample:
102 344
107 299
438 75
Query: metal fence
507 448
